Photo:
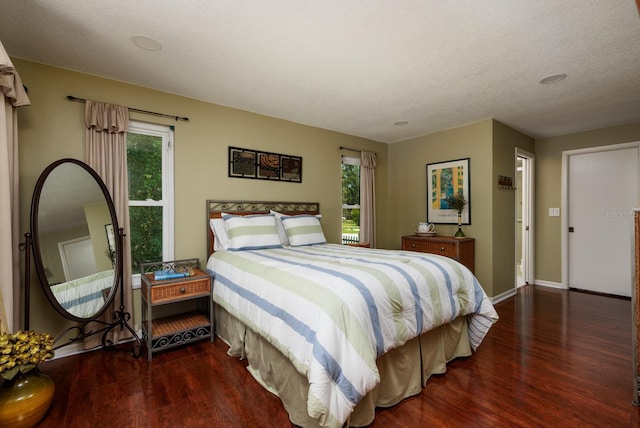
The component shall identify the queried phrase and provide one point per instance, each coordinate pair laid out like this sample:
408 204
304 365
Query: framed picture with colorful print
448 186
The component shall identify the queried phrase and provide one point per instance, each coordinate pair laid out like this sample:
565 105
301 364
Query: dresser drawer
460 249
182 290
443 248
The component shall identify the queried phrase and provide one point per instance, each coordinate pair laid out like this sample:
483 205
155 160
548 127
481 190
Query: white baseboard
69 350
549 283
76 348
510 293
503 296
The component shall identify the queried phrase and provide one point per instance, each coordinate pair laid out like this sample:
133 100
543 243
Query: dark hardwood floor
555 359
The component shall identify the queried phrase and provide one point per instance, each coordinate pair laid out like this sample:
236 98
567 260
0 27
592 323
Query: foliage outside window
350 199
149 161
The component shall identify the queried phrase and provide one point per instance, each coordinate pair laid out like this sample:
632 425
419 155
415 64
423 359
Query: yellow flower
23 351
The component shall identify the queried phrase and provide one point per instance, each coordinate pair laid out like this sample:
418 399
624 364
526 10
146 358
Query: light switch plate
554 212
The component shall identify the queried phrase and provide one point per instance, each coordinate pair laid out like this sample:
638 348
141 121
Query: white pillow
221 240
252 232
284 240
303 229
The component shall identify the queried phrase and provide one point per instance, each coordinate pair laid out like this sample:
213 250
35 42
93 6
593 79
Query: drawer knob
413 245
441 248
183 290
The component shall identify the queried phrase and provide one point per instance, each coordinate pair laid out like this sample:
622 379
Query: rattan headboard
215 208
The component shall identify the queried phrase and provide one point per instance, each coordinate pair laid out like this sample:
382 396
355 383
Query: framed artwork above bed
242 163
247 163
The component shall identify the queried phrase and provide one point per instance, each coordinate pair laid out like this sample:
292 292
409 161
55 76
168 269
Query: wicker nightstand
175 311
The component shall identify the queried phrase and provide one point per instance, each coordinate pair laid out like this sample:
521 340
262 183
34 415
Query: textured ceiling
355 66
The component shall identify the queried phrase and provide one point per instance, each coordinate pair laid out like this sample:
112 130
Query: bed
85 296
335 331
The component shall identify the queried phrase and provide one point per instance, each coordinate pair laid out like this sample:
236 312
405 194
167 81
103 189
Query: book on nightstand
160 275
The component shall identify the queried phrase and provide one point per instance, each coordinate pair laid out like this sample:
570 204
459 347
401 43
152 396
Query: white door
524 218
77 258
602 192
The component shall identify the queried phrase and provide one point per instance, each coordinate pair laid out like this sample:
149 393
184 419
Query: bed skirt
404 371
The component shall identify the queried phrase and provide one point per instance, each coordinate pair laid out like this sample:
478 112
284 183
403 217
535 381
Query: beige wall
490 146
505 142
50 252
548 180
52 128
98 217
408 186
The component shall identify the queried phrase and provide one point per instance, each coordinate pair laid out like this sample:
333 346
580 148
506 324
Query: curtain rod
177 118
354 150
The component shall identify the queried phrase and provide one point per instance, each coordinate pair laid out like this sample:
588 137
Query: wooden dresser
460 249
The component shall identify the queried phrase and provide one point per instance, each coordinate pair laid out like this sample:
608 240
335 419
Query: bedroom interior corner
201 173
535 324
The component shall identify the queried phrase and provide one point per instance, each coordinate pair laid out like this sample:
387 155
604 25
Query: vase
25 399
459 233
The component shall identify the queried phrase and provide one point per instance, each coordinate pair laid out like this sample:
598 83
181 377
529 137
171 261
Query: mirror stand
76 245
121 316
26 246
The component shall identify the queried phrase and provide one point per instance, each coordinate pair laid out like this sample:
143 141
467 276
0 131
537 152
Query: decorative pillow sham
282 233
303 230
221 240
252 232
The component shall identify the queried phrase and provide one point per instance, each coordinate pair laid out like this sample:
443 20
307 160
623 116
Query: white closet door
77 258
603 189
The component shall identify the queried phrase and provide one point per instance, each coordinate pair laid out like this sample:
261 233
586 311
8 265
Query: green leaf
27 368
11 373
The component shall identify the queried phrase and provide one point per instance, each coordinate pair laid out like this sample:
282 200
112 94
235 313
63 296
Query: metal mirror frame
121 318
37 256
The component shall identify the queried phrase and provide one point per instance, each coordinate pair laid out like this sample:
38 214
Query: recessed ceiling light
401 123
553 79
147 43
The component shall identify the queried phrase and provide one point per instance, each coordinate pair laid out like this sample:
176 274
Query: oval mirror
75 239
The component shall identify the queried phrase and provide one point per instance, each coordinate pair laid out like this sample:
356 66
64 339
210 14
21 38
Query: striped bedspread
83 297
332 310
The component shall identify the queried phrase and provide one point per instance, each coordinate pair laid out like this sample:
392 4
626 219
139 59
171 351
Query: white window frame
167 202
349 160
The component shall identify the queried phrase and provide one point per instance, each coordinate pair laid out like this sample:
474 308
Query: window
350 200
150 171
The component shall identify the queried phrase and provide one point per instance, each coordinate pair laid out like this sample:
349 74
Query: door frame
528 184
564 204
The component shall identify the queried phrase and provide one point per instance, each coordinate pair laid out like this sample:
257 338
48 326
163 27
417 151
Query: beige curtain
106 147
367 198
13 96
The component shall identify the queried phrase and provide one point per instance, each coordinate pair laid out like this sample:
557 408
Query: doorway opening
524 252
